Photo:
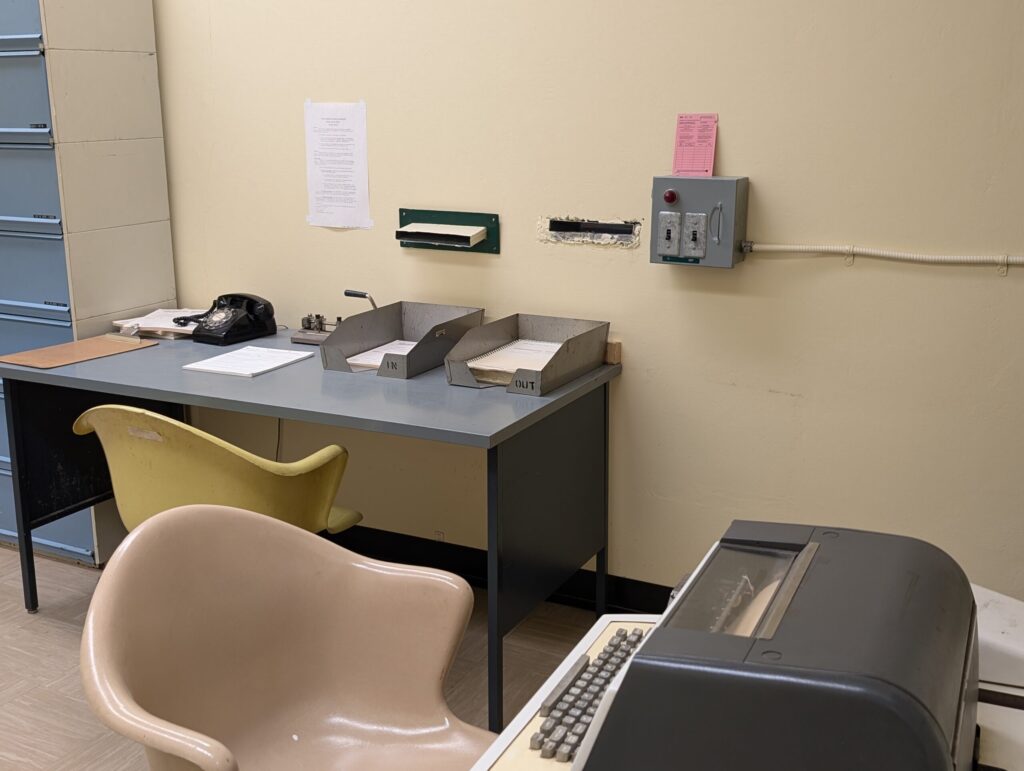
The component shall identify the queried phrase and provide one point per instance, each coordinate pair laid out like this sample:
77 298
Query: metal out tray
582 349
436 328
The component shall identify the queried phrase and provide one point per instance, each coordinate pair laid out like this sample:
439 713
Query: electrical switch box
700 220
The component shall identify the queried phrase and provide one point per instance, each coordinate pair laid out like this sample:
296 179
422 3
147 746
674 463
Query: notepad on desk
371 359
249 361
498 366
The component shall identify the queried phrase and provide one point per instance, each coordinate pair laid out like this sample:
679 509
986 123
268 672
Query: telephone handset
233 318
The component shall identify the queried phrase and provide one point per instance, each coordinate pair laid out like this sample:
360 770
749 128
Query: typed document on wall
337 179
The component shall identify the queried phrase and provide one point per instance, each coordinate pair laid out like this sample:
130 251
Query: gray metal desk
547 457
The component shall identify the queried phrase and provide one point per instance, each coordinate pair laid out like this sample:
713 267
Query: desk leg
28 566
601 574
495 633
12 393
547 514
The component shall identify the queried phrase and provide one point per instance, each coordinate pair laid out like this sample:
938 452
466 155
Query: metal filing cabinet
84 220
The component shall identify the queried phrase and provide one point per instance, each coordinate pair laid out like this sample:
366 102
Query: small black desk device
233 318
799 648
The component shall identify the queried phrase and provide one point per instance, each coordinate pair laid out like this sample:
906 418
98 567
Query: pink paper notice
696 133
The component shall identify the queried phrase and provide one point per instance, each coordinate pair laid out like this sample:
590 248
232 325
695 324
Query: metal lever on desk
357 293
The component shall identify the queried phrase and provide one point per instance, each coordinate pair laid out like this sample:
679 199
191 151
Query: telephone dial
233 318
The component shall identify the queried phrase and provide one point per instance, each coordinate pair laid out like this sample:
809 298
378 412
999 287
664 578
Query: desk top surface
424 407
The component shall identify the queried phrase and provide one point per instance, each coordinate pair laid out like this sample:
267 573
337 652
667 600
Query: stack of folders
498 366
159 323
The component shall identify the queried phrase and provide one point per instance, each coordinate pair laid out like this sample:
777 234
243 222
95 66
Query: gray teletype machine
790 648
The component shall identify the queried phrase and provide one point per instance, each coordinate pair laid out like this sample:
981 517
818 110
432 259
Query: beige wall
874 396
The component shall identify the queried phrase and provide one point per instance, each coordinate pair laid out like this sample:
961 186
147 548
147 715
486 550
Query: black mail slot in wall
591 226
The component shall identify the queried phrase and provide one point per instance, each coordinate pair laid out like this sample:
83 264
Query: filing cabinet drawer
7 520
25 102
22 333
19 17
28 188
33 277
5 447
69 536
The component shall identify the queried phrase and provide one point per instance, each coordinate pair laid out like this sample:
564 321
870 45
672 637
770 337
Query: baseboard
625 595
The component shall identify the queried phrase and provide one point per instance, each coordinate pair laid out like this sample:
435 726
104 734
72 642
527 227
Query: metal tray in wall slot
25 104
434 330
29 198
581 348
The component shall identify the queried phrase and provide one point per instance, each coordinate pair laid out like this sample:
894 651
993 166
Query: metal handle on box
717 237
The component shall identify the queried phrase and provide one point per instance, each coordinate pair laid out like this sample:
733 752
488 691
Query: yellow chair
157 463
269 649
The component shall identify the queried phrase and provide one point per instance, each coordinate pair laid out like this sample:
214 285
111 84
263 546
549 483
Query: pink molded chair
223 639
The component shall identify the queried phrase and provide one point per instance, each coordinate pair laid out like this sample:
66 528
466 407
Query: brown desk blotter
72 353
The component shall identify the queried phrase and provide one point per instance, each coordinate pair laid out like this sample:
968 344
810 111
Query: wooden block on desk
613 352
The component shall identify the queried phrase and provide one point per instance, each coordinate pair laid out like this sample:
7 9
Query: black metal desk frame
547 494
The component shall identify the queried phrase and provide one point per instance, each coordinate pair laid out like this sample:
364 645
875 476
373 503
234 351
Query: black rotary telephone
233 318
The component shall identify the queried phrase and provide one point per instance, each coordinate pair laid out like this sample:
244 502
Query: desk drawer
25 106
19 17
29 199
33 277
22 333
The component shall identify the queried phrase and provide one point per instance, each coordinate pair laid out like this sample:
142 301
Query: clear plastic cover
734 590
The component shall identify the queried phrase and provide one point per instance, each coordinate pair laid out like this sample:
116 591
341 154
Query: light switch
695 235
670 225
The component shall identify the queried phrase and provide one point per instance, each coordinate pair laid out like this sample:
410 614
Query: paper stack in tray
498 366
371 359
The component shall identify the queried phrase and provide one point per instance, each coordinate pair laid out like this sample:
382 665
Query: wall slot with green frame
453 230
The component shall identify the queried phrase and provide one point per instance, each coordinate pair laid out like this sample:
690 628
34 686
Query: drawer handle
30 226
19 54
27 45
36 310
37 236
31 320
29 135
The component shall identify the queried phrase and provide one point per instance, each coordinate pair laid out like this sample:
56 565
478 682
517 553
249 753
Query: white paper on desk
372 358
337 177
249 361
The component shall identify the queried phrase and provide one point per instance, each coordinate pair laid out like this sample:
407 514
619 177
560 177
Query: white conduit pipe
1000 261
